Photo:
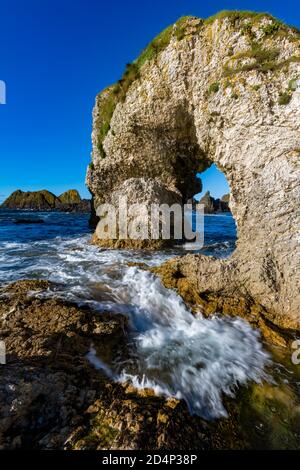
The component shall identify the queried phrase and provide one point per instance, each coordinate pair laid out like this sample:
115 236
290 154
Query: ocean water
174 352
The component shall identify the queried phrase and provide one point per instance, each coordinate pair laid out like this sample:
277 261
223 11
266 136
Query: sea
175 352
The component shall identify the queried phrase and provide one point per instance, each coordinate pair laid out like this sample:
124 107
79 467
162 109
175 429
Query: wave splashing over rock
175 353
192 358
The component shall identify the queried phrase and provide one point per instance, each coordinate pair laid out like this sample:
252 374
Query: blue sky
56 55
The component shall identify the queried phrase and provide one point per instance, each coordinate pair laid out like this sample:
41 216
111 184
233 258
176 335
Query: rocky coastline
203 92
54 398
78 406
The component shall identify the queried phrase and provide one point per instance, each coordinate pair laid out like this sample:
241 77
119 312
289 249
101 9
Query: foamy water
174 352
188 357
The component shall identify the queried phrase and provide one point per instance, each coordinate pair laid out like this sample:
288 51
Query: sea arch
223 91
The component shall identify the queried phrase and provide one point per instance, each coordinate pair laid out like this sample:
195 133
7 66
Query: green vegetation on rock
117 92
253 18
293 84
180 29
246 30
214 88
45 200
71 196
272 28
27 200
265 59
284 98
236 15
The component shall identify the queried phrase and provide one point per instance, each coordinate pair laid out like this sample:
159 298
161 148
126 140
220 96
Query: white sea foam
98 363
196 359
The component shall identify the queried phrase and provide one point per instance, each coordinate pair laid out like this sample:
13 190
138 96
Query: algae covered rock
34 200
71 196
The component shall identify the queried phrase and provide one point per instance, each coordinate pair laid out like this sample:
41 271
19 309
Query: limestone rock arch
225 90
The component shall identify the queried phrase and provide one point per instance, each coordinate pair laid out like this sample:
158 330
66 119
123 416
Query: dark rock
83 206
214 206
29 221
208 202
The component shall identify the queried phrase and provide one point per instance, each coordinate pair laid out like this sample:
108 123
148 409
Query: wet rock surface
202 295
52 397
47 382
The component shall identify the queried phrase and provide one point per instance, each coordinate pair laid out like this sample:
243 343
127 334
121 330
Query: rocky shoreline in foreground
54 398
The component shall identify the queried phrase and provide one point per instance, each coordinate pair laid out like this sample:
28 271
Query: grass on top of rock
236 15
264 59
117 92
180 28
253 18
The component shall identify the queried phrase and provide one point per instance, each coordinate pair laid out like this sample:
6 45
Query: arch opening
220 229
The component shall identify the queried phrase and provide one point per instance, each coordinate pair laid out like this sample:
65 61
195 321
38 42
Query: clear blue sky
56 55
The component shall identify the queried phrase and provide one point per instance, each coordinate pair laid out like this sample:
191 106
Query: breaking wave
192 358
174 352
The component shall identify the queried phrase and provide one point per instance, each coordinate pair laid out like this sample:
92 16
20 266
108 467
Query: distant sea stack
70 197
215 206
69 201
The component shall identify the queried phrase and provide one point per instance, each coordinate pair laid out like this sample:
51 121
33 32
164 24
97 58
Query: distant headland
69 201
